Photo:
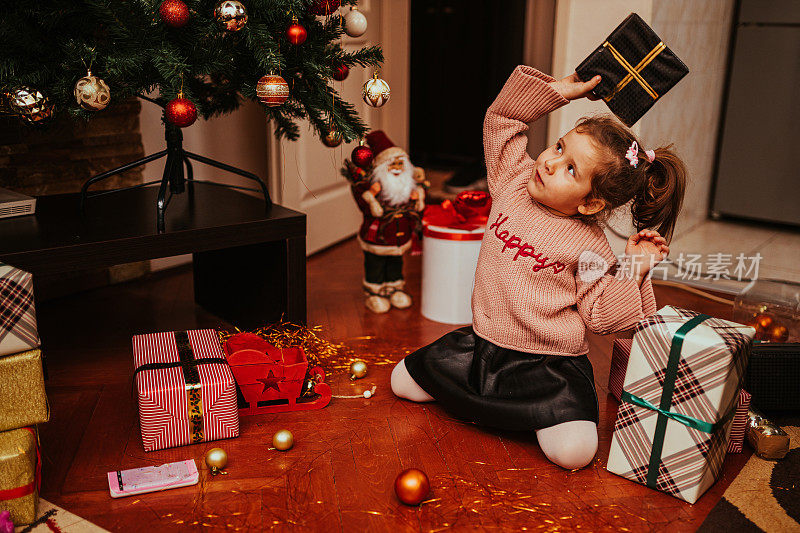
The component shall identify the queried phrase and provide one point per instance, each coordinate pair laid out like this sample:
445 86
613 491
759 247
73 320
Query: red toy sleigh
270 379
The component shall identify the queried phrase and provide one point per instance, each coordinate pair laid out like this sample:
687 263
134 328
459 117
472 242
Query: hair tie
632 154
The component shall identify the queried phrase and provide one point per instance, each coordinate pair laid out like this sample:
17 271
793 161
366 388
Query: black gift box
773 376
637 69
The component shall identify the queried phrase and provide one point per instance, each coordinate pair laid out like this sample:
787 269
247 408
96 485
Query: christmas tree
211 53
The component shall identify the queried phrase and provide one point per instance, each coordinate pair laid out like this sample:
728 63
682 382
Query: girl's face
562 177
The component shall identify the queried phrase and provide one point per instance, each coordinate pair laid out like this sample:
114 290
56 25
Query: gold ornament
231 14
216 460
92 93
333 138
358 369
30 105
283 440
375 91
272 90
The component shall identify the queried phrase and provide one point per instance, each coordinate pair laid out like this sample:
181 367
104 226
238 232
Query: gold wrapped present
23 401
20 466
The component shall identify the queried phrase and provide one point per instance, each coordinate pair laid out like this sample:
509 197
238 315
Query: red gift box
616 377
186 390
270 379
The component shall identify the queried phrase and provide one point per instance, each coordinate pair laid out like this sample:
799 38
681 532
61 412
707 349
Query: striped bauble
272 90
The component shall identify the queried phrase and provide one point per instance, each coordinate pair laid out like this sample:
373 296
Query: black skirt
483 383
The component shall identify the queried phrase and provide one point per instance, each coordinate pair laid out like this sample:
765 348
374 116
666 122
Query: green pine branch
49 44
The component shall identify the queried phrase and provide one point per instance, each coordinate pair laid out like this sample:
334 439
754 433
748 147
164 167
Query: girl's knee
404 386
572 445
397 378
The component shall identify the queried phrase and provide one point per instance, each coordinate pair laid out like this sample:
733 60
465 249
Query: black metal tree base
173 177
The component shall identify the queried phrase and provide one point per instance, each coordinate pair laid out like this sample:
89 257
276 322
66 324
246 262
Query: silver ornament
231 14
355 23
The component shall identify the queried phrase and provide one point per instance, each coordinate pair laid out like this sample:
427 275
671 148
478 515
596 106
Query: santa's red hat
383 148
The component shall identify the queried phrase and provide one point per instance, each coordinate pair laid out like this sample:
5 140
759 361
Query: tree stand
173 176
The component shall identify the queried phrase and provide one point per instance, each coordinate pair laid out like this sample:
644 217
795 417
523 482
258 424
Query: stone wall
59 157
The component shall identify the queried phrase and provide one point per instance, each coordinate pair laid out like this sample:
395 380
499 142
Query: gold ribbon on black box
191 377
634 73
636 69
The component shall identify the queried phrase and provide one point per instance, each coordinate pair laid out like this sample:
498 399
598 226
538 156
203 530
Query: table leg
250 286
296 286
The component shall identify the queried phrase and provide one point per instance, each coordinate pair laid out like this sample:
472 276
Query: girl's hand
645 249
573 88
647 243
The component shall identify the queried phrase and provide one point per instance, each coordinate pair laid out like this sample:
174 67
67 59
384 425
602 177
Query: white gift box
449 259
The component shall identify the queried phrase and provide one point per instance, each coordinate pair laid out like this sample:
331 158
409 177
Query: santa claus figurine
391 197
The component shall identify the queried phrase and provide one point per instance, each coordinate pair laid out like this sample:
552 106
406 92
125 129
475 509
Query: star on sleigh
270 379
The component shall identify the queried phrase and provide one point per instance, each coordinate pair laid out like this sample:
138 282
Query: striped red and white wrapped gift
186 390
739 425
18 332
680 394
616 378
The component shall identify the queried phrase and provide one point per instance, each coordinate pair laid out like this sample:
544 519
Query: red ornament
296 33
412 486
181 112
272 90
174 13
325 7
340 72
362 156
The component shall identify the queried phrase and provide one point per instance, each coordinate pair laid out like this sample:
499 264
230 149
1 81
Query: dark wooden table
249 261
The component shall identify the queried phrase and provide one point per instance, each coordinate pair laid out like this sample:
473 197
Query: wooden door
304 174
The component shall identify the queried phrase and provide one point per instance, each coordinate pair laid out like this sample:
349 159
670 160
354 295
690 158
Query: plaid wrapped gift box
636 67
17 312
186 389
616 378
680 394
20 474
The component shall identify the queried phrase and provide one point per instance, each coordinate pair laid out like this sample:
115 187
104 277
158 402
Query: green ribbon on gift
663 409
700 425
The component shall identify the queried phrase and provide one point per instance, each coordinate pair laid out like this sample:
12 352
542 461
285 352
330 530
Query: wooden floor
339 476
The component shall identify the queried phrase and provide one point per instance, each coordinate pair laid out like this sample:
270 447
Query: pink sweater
529 295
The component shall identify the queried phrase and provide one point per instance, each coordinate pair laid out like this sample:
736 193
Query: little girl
546 272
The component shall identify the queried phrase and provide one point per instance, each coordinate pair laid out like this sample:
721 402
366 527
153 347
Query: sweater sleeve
525 97
608 299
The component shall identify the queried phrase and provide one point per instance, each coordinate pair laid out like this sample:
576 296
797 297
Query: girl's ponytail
659 199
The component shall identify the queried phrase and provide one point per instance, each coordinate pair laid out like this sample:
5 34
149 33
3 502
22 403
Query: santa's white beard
396 189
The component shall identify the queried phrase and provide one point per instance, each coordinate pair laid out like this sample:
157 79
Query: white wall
581 25
238 139
698 31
